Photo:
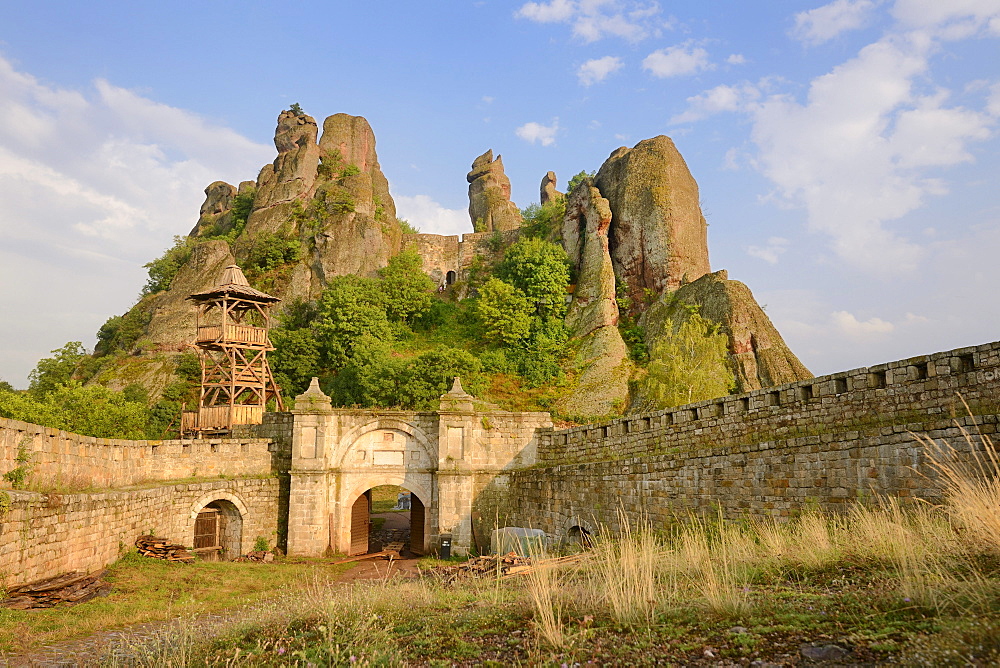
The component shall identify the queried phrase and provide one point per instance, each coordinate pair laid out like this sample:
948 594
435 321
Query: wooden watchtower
232 342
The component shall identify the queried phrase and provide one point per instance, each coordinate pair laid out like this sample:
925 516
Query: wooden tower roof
233 284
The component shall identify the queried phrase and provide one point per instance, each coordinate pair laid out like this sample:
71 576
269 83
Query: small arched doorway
579 538
450 277
387 515
218 531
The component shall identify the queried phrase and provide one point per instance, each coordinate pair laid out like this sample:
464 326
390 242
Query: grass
148 590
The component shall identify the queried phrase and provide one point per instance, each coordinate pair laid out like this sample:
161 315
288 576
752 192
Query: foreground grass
147 590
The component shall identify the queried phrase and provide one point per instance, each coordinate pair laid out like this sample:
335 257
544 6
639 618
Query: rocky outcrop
759 356
602 359
659 236
547 191
291 176
216 209
358 228
490 207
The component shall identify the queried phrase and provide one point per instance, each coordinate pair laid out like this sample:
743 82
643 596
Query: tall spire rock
290 177
658 235
547 191
602 356
490 207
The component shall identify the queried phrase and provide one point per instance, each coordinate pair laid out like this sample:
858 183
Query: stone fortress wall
442 254
774 452
61 458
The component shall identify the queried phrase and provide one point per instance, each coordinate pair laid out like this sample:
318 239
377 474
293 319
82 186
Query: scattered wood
160 548
257 556
70 588
499 566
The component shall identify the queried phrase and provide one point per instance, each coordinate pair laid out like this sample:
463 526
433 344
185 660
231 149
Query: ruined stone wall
45 534
815 443
442 254
65 459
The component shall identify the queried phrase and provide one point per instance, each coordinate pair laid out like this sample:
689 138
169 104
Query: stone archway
360 523
216 525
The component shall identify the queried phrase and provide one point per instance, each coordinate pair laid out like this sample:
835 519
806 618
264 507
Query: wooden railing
217 417
233 334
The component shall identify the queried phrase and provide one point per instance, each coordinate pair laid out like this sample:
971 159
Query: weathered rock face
291 176
658 234
602 358
490 207
358 241
759 356
547 192
214 212
585 238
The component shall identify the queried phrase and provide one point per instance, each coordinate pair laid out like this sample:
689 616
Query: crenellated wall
441 254
816 443
64 459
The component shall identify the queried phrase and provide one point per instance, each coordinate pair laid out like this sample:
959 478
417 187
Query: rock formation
490 207
216 209
759 356
290 177
658 234
602 358
547 192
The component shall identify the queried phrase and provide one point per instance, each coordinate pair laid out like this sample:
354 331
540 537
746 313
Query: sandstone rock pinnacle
547 192
658 236
490 207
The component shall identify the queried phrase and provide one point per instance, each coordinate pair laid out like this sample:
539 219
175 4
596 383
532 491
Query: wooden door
360 524
206 529
416 525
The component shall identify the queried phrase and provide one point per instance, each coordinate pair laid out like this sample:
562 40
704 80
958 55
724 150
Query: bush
51 372
540 270
350 307
504 312
405 287
120 333
578 179
544 221
92 411
163 269
270 251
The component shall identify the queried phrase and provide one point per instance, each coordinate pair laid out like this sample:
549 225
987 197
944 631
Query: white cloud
717 100
94 184
993 102
598 69
430 217
552 12
678 60
956 19
593 20
536 132
859 152
824 23
771 251
736 59
848 325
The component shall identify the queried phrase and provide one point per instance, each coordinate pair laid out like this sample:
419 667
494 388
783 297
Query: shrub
504 312
50 372
540 270
163 269
544 221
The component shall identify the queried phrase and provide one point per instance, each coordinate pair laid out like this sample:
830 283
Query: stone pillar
309 500
457 422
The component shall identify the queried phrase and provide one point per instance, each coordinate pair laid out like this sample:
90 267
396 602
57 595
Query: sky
846 152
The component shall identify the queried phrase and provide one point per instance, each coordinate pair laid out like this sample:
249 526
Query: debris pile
257 556
72 588
160 548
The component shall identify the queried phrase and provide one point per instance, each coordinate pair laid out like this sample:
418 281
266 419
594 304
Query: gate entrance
386 515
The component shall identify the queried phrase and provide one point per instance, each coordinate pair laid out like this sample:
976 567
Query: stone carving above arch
404 446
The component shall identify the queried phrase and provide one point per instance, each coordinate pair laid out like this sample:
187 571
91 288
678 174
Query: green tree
540 270
90 410
5 386
163 269
370 378
350 307
50 372
431 374
577 180
690 364
406 289
295 359
504 311
544 221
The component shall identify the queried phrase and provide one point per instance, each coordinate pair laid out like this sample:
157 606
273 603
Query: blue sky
846 152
